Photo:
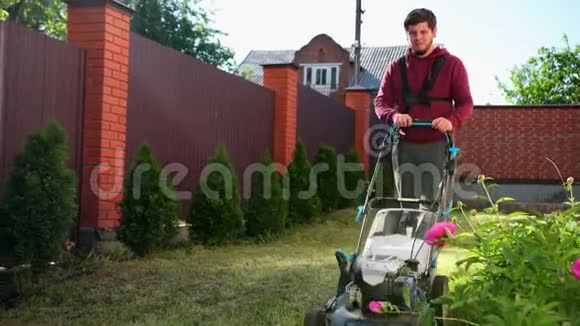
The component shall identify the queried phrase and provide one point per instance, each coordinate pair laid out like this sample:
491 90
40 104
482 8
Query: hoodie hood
439 50
423 64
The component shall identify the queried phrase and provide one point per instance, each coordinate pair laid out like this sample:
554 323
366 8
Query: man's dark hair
420 15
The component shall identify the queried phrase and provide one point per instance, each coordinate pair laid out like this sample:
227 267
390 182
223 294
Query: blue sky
490 39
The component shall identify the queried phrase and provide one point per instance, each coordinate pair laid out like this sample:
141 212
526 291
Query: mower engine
387 280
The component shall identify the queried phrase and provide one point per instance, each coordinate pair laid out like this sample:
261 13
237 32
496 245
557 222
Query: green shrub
519 269
388 179
40 204
327 180
149 213
267 209
7 240
304 203
216 216
385 184
351 181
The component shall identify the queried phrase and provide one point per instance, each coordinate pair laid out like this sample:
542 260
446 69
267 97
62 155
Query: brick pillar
282 79
359 100
101 27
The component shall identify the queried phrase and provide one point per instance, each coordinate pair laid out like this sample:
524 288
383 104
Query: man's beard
422 52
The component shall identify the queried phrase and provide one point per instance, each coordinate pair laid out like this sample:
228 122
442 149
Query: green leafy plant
216 216
47 16
184 26
267 209
519 271
40 204
149 213
550 77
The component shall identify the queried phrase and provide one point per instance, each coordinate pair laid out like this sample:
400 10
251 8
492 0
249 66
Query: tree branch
14 11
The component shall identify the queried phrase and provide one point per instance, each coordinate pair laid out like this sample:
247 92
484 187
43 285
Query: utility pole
357 43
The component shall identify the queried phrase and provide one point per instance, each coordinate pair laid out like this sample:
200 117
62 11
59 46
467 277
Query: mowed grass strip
271 283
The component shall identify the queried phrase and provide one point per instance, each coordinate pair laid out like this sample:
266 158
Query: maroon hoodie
452 82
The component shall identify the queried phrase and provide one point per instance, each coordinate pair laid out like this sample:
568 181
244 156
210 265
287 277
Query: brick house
325 65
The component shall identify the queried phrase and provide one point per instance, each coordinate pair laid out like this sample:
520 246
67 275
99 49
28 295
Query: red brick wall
102 29
360 101
512 142
281 79
323 49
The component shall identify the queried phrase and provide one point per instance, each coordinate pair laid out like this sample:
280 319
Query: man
436 89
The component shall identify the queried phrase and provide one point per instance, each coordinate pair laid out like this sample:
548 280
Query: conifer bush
267 209
216 216
149 213
327 180
40 207
303 204
351 180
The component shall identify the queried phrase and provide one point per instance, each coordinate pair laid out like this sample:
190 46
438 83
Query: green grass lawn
248 284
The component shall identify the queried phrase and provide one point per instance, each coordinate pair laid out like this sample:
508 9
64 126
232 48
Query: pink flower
375 306
576 268
436 235
69 245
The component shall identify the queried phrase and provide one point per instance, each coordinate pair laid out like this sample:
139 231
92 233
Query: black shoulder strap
435 69
412 99
406 90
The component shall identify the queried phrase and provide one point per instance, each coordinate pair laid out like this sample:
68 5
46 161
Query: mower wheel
315 317
440 288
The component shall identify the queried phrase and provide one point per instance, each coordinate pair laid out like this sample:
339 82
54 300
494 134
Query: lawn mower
391 278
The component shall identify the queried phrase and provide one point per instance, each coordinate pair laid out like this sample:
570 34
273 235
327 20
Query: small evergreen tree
7 240
267 210
40 205
216 216
303 206
149 215
388 180
327 180
351 180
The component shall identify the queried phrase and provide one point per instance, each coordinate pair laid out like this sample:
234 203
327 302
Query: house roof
374 61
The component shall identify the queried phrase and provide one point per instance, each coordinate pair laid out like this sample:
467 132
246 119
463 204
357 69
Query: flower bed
523 269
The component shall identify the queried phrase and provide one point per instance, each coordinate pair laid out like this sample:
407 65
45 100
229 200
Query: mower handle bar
423 123
420 123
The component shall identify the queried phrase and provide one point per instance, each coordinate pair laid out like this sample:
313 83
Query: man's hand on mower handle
402 120
442 124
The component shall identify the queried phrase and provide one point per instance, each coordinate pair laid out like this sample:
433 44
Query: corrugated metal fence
41 80
183 108
323 120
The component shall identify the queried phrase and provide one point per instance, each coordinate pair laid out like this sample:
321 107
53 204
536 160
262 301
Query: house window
322 75
333 77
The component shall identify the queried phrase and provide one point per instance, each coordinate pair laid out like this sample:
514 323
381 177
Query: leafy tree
48 16
149 214
551 77
216 216
267 210
40 203
327 180
304 204
184 26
